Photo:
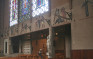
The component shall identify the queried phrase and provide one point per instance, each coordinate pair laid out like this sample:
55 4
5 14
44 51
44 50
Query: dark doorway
15 45
62 41
5 47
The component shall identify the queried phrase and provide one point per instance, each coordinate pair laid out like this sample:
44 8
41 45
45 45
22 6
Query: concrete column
8 46
68 46
50 46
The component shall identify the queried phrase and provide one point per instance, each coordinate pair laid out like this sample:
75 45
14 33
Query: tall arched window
39 7
24 10
13 12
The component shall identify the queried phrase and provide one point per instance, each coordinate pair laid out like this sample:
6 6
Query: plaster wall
82 32
82 26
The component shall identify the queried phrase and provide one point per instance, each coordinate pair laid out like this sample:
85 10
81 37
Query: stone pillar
50 45
8 46
68 46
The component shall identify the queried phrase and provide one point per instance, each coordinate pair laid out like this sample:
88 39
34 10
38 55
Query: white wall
82 26
82 34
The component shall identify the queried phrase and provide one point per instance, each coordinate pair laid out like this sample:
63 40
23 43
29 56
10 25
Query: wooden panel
34 46
90 54
67 58
39 44
82 54
59 56
75 54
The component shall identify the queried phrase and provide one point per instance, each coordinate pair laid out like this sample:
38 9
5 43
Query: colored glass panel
39 7
13 12
24 10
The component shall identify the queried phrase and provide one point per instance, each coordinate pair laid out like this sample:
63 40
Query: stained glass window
13 12
24 10
39 7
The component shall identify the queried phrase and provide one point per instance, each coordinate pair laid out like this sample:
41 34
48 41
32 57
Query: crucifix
86 6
